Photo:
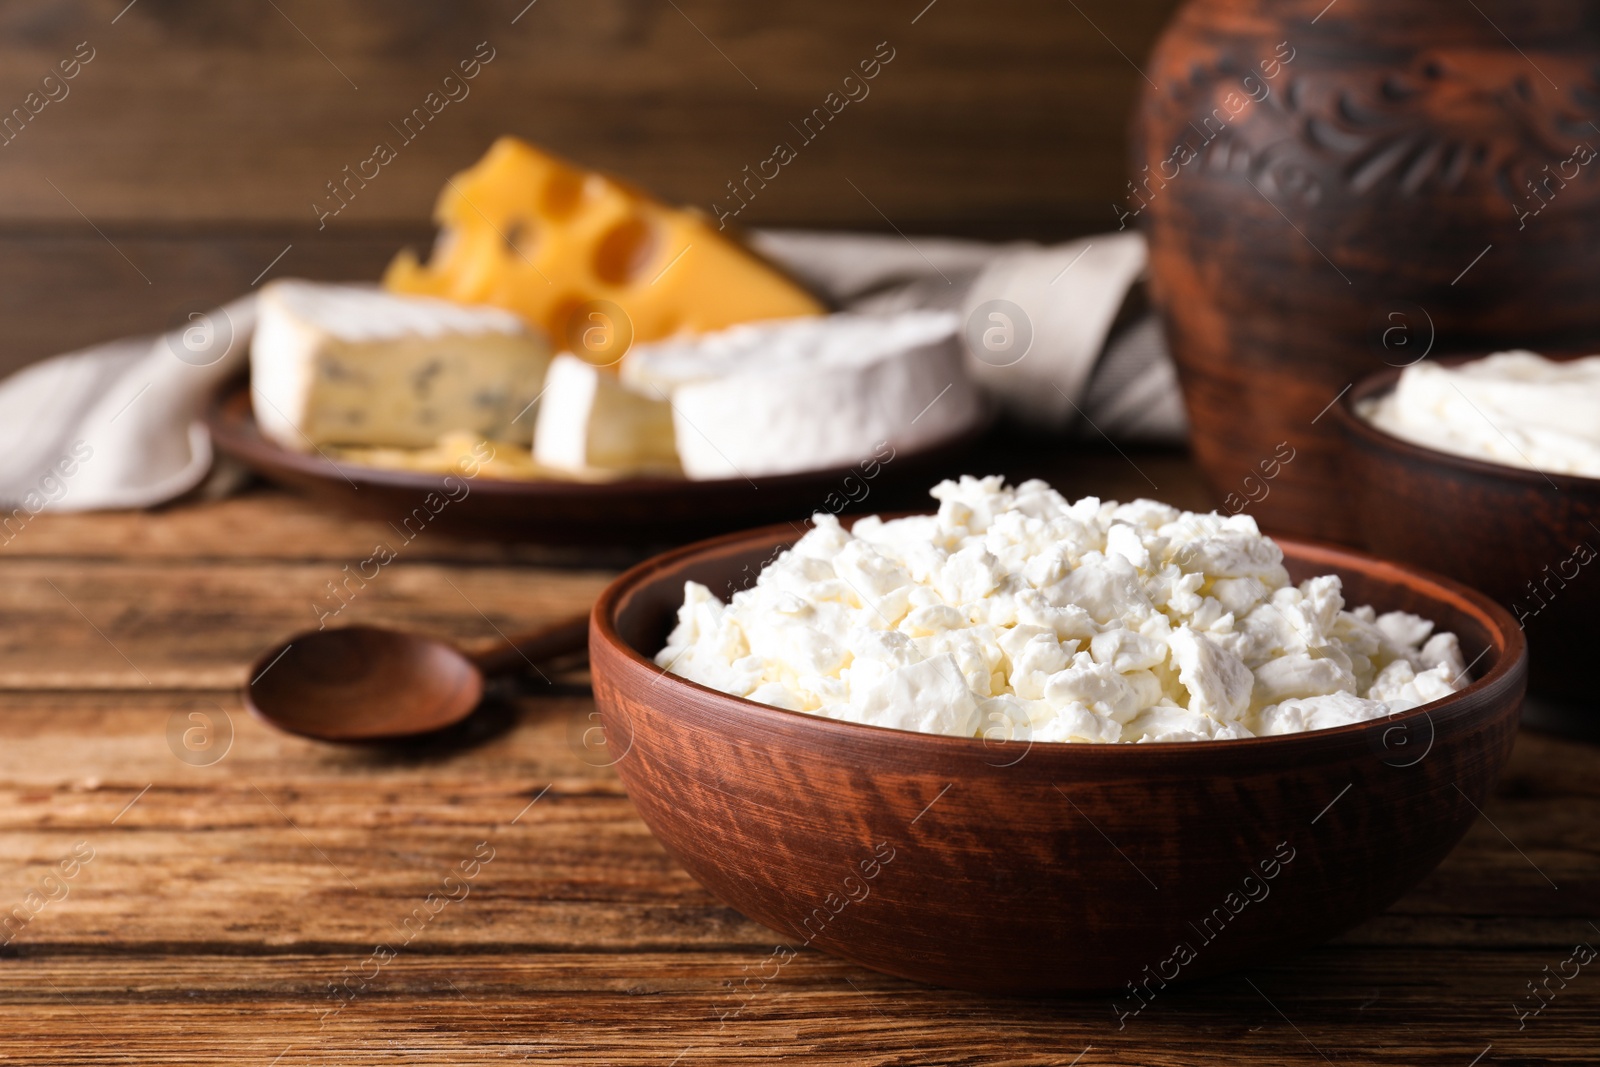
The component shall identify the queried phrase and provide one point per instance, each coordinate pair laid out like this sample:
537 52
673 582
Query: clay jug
1330 188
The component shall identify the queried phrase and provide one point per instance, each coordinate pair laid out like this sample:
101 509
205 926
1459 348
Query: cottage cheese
1514 408
1015 610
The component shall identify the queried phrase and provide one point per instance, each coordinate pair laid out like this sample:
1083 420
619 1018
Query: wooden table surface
185 908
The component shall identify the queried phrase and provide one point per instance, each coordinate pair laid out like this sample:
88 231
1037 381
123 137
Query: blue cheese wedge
350 365
592 425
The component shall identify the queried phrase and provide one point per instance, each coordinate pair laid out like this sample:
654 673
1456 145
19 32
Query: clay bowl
1005 867
1316 179
1518 535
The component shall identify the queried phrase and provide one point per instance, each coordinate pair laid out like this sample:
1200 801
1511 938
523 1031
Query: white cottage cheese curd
1514 408
1093 621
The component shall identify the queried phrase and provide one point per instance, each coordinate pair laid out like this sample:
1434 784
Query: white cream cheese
1514 408
1013 610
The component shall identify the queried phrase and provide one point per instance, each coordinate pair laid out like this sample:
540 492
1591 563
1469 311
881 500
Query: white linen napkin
118 425
1064 367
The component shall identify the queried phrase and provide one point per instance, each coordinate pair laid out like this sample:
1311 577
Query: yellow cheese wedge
567 249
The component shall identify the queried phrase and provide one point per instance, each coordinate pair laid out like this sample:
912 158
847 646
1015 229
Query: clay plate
641 511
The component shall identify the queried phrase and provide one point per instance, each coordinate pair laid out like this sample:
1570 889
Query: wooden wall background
187 153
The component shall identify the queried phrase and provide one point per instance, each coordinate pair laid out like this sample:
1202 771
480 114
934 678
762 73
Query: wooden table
226 910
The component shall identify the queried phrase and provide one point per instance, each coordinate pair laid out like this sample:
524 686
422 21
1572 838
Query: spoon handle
529 648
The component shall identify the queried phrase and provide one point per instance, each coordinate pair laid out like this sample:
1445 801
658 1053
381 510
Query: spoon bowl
365 683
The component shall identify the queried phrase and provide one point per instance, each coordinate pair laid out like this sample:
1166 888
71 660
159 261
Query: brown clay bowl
1515 534
1325 188
1004 867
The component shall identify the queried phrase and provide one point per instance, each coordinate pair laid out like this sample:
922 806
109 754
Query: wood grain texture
199 135
243 112
110 624
65 287
216 910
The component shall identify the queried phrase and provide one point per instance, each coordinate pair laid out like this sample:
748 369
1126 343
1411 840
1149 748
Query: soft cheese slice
525 231
592 425
807 394
353 365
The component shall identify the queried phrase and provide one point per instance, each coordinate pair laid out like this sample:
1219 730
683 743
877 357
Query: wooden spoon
364 683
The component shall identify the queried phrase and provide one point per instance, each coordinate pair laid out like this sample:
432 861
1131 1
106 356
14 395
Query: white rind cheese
1014 614
807 394
592 425
350 365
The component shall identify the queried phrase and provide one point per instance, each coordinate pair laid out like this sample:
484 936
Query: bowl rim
1380 382
1496 619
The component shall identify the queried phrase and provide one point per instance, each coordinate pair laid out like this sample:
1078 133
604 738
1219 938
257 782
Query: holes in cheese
519 238
542 238
625 251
